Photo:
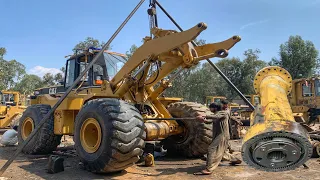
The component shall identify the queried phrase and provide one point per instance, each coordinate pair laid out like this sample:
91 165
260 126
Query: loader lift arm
172 48
136 83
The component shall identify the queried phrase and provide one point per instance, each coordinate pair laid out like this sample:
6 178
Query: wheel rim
90 135
27 128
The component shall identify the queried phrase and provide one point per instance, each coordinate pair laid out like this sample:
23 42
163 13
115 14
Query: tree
28 84
63 69
48 80
88 42
232 68
3 51
58 78
201 81
298 56
251 66
10 71
132 49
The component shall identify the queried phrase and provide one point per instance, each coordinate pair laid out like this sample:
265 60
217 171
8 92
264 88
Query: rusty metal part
275 142
158 130
315 149
149 160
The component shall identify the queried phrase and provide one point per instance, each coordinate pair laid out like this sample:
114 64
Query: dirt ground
35 167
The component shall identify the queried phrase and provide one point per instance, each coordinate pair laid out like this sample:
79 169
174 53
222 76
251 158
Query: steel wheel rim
90 135
27 128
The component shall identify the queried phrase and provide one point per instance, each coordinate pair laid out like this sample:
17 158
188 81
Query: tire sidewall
193 145
93 111
36 116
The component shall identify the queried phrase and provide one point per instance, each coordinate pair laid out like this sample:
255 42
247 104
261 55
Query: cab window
208 102
306 90
256 100
83 66
70 76
317 87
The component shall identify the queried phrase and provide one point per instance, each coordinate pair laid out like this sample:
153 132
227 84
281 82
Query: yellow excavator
12 105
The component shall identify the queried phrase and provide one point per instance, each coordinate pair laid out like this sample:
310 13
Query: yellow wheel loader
11 107
108 110
305 99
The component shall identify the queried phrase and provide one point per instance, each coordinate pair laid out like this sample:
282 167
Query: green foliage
28 84
3 51
58 78
298 57
63 69
48 80
198 82
132 49
88 42
10 71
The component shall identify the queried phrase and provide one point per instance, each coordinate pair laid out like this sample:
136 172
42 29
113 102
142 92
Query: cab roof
94 52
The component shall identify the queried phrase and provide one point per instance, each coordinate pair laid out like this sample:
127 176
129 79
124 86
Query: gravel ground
35 167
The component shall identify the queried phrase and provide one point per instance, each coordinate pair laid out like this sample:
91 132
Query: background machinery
305 99
275 142
12 104
105 109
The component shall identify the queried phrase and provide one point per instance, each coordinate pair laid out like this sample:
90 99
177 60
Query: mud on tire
122 138
198 136
45 141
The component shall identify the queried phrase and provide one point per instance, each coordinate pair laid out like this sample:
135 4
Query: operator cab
105 68
7 99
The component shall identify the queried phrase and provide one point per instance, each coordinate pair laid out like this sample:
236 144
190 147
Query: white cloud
41 71
253 23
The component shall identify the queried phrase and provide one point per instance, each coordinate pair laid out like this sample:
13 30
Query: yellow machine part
275 142
8 114
212 99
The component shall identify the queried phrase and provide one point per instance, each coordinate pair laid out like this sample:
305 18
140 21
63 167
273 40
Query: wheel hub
90 135
277 151
27 128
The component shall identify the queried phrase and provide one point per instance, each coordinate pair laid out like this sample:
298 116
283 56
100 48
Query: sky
39 34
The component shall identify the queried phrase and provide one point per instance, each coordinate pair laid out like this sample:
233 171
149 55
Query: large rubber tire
44 141
122 139
198 136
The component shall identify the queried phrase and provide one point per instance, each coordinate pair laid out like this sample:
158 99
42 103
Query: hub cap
90 135
27 128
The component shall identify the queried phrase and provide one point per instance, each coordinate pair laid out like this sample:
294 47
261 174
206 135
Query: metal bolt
294 152
272 164
263 149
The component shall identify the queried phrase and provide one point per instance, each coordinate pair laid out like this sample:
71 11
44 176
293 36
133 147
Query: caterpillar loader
106 113
11 107
305 99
